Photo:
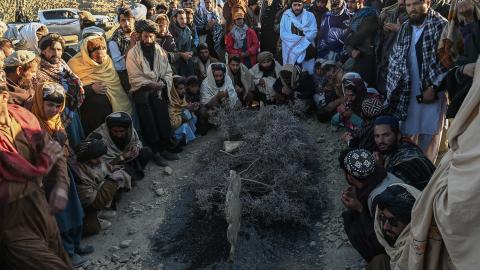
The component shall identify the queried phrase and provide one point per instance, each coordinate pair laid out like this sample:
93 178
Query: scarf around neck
121 39
239 35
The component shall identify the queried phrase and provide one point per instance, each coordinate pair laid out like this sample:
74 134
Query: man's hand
238 89
349 199
380 158
99 88
186 55
132 152
58 200
222 94
261 83
392 27
158 86
347 136
54 151
429 95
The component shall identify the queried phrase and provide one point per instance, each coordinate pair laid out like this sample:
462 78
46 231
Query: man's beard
219 83
24 83
390 240
389 149
53 60
420 18
121 143
297 13
268 69
127 30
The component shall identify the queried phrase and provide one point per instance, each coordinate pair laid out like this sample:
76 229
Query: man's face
234 67
182 20
391 227
401 5
321 3
94 162
385 139
181 90
53 54
162 26
150 12
126 23
51 109
219 77
204 54
27 74
187 4
266 64
353 5
239 22
208 5
118 132
7 49
193 88
297 8
349 96
417 10
189 18
99 56
148 39
173 5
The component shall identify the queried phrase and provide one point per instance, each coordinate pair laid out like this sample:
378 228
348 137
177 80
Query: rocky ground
159 207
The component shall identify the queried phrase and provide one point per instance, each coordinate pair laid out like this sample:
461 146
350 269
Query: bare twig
249 166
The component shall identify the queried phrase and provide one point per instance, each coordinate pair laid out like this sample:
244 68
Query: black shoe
169 156
85 250
159 160
77 260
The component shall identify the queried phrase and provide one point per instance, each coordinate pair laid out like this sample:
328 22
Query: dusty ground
160 205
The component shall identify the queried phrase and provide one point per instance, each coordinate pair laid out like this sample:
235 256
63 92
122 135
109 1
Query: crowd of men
78 126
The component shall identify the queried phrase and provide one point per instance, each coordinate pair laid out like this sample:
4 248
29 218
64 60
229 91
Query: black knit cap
90 149
398 201
118 119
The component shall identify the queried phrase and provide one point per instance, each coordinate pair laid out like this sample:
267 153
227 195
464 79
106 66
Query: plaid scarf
122 41
201 20
398 78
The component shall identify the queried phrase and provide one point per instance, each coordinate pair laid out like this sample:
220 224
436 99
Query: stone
320 140
135 252
114 248
115 257
230 146
168 170
125 243
160 192
312 244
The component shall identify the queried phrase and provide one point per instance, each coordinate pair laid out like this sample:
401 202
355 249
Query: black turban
398 201
90 149
146 26
118 119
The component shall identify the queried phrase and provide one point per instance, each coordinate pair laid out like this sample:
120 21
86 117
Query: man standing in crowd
21 66
298 30
30 237
150 77
268 12
210 29
367 180
242 41
400 156
203 61
122 41
414 76
184 43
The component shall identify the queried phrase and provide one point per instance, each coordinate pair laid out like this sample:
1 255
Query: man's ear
4 96
19 70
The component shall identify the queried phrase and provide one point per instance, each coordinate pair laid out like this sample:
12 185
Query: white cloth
294 46
389 180
209 88
29 34
117 57
269 81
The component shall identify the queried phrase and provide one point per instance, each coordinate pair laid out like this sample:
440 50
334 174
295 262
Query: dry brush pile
276 162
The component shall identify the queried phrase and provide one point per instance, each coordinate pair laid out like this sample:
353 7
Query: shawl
444 226
175 108
90 181
122 41
90 72
294 70
451 41
209 88
360 15
183 37
62 74
201 68
246 78
333 30
28 33
53 124
16 168
112 150
139 72
239 35
200 20
294 46
398 248
269 81
398 78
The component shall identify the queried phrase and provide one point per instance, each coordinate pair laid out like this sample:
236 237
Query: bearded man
298 30
400 156
124 148
242 80
265 73
150 76
54 69
184 43
121 42
203 61
29 160
414 76
21 67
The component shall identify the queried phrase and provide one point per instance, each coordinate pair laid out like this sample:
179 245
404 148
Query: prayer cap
372 107
90 149
92 31
359 163
146 26
118 119
263 56
387 120
398 201
86 17
19 58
